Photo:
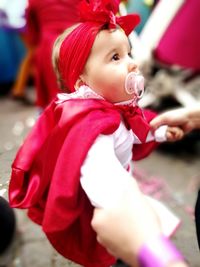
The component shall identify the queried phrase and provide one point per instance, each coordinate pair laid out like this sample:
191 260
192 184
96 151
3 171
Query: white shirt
104 172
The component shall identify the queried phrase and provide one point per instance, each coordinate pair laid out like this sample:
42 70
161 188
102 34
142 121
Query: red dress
181 41
46 173
46 19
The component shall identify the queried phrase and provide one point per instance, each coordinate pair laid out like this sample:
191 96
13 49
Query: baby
78 154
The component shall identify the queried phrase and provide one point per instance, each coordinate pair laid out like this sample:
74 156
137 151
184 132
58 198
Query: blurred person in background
45 21
12 49
11 54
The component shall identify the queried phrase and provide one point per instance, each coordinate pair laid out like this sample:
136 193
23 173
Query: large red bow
104 12
135 119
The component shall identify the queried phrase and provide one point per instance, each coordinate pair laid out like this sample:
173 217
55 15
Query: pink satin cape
46 176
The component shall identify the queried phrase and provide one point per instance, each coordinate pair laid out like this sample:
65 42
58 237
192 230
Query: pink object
134 84
181 41
158 252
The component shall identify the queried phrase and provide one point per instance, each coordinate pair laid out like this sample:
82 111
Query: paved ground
176 178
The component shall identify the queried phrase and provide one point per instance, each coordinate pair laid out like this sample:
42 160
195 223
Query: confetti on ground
151 185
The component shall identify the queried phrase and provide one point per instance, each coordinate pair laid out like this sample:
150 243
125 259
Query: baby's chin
126 100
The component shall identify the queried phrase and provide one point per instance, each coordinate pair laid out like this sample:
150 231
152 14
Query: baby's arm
174 133
165 133
103 178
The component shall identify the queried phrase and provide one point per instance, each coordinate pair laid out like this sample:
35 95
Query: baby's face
108 65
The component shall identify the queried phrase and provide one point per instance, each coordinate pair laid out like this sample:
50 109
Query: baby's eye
130 55
115 57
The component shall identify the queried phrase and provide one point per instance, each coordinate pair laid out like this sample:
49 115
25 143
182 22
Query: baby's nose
133 67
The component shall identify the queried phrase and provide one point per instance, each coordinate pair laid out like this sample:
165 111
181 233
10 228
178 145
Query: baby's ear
79 83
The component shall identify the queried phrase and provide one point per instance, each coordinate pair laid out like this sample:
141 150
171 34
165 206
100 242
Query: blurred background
166 47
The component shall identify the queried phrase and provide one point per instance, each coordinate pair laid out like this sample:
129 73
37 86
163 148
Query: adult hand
187 119
122 228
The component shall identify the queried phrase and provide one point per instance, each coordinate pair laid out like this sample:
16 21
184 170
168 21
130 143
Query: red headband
76 47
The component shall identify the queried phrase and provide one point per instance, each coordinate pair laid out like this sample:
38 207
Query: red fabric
47 19
104 12
138 120
181 41
46 176
74 53
76 47
141 151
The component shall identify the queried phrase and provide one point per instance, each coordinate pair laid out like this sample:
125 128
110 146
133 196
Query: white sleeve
102 175
159 135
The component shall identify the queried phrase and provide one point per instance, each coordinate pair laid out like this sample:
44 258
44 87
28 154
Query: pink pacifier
134 84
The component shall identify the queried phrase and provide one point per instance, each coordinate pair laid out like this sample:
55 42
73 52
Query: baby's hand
174 134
